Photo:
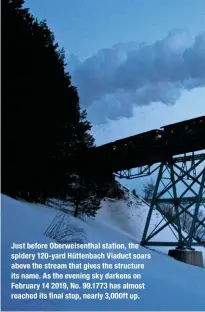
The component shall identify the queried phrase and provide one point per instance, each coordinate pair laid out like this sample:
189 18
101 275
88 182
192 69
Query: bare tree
61 231
186 222
200 232
168 210
148 190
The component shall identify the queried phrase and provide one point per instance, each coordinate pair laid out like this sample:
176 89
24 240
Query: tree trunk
76 209
43 197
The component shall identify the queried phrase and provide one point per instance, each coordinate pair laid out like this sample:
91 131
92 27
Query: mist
115 80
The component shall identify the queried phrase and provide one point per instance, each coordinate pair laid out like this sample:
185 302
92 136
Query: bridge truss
179 197
179 194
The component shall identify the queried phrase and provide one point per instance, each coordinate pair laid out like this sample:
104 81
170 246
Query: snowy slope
129 216
170 285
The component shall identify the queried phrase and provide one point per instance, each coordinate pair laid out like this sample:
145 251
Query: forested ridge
42 122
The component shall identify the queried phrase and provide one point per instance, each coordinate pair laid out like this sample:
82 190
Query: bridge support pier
179 199
192 257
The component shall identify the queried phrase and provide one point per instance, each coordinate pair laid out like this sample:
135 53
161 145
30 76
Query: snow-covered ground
169 284
129 215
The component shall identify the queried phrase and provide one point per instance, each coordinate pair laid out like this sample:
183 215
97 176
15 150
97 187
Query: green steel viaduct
176 152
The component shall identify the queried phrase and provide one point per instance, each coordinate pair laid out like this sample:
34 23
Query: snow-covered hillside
170 285
129 216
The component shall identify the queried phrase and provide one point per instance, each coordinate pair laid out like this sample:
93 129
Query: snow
170 284
129 216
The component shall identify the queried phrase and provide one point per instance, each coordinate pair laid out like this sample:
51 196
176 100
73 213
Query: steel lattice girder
149 169
181 203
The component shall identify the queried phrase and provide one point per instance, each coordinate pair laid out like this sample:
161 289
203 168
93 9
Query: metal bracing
147 170
179 197
138 172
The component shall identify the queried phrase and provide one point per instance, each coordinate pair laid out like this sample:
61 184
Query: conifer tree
42 120
84 196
